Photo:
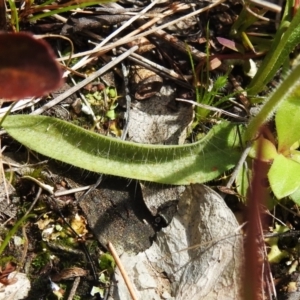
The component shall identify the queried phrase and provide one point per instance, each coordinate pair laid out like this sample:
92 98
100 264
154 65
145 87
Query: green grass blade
282 46
14 14
13 231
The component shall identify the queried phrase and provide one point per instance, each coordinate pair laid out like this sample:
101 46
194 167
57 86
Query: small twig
236 233
267 212
125 72
128 283
56 16
71 191
242 95
127 39
126 24
74 288
73 71
43 36
42 185
100 49
90 189
212 108
292 233
21 104
239 165
88 107
165 72
267 5
84 82
178 44
287 209
34 202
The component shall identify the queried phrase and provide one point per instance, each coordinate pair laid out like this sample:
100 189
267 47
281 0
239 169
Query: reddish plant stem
256 198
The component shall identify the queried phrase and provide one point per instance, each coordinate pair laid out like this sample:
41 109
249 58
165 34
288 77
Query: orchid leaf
296 196
263 149
284 176
198 162
288 123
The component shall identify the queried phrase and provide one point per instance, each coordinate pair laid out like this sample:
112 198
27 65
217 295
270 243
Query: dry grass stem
122 270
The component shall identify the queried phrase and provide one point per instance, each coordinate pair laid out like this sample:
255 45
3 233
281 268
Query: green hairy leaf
287 89
284 176
199 162
288 123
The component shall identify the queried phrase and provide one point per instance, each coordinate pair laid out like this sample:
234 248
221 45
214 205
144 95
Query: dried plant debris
69 273
80 23
145 83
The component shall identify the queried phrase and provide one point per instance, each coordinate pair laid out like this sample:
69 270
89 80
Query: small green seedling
275 255
207 93
107 263
284 175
